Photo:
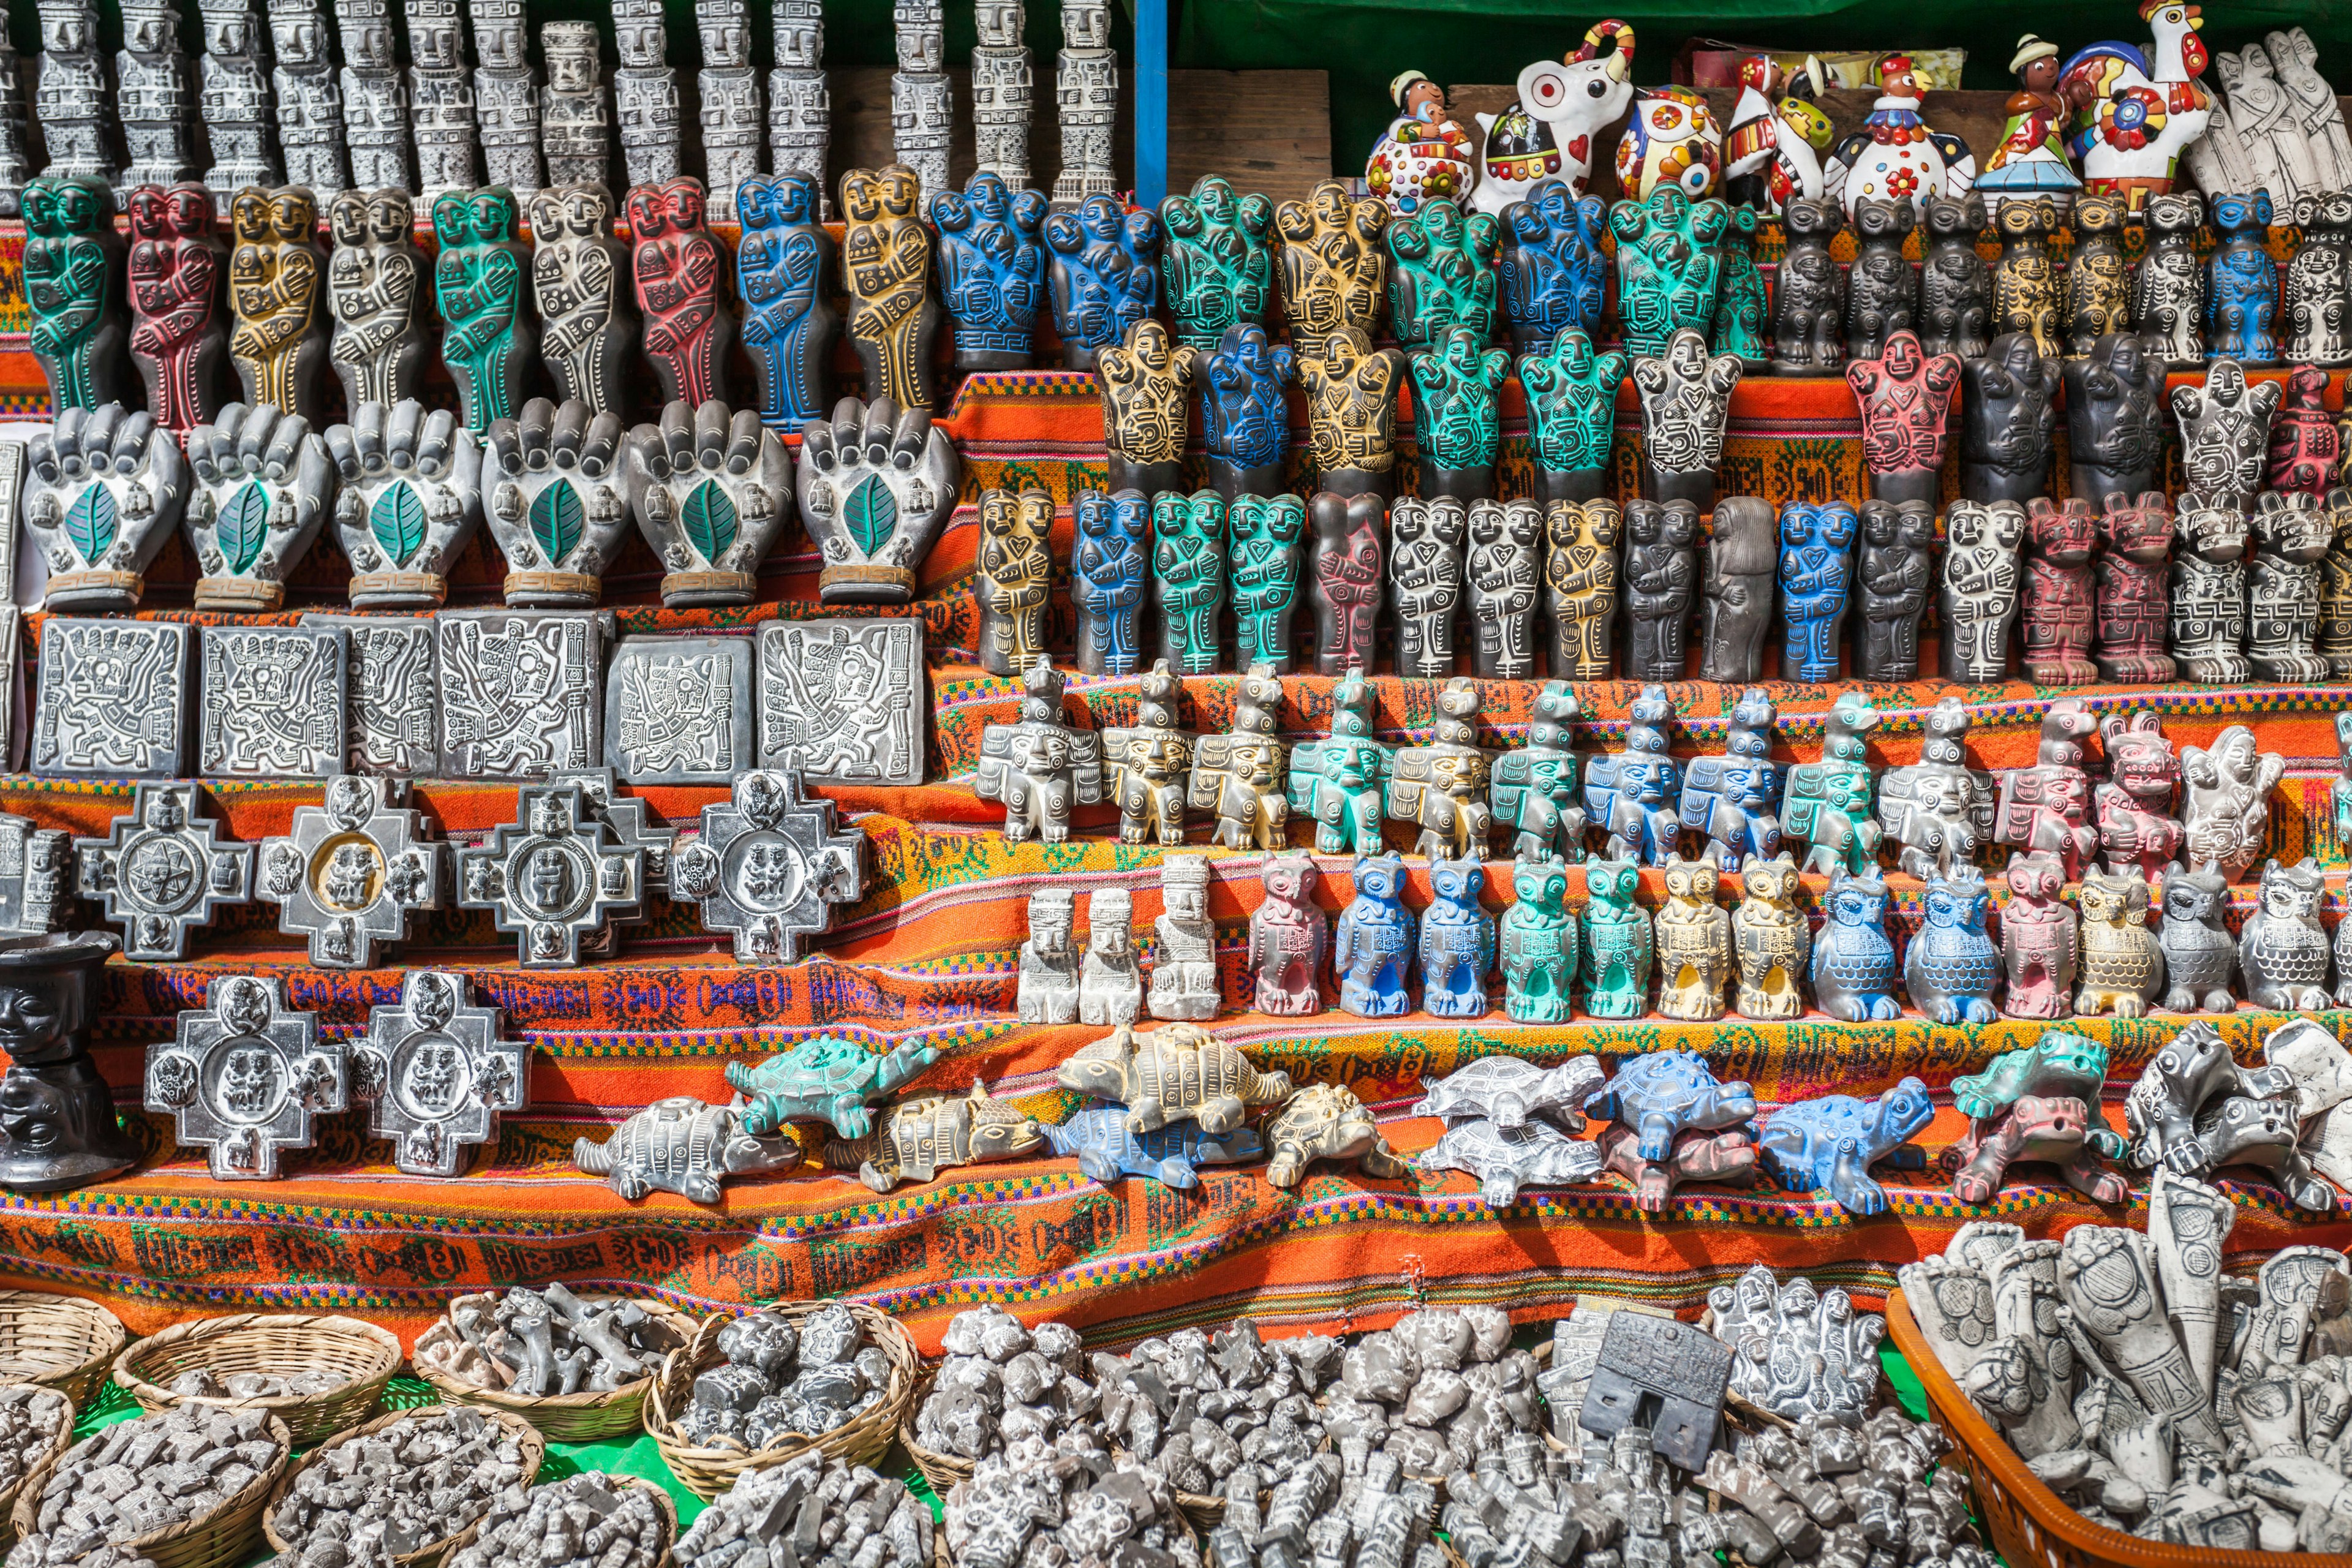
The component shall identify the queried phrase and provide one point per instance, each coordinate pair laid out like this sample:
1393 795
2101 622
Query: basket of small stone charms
1000 1381
817 1511
835 1376
36 1427
61 1341
321 1375
402 1488
587 1521
181 1489
1067 1503
576 1367
1437 1389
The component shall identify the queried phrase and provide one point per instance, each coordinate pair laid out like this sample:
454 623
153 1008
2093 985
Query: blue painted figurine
1659 1096
783 264
1634 795
1105 276
1539 945
1734 799
1264 531
1372 951
1444 274
1551 265
1107 561
2242 288
1619 943
1339 782
1218 268
1457 418
1572 396
1952 963
992 271
1816 570
1853 961
1457 942
1244 422
1188 577
1830 804
1537 787
1172 1154
1829 1144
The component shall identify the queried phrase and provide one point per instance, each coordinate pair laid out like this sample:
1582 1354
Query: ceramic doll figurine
1816 573
2128 153
1882 290
2242 283
1188 578
2024 280
1040 766
2098 289
1539 946
1561 107
1898 568
73 270
1580 585
1671 143
1217 268
1504 559
1619 941
1106 571
1457 417
1685 404
1184 984
1441 274
2140 827
1634 795
1245 421
1742 553
1111 987
885 261
992 271
1349 575
2008 416
2169 286
1896 154
1373 947
1146 382
1441 788
1264 533
1739 297
2225 432
1425 568
2059 615
1537 790
375 280
1351 391
2114 425
2045 809
1339 784
490 338
178 331
588 333
1661 570
2306 452
1288 935
2133 600
1906 402
1152 761
1954 283
1828 803
1457 943
1951 966
1854 962
1809 303
1014 577
1238 776
2318 313
679 270
1668 268
2039 939
1693 943
1551 267
1332 262
1105 274
1733 799
1774 943
1980 592
276 279
1571 400
2228 813
785 268
2032 159
1938 811
1047 991
2291 534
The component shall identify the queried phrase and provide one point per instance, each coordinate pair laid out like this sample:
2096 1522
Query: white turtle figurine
1537 1156
1507 1091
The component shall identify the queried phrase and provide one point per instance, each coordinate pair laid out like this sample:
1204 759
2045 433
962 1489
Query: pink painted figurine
1288 936
2306 445
2054 1130
1905 396
2038 940
680 271
2135 589
2045 809
2058 606
179 334
2139 828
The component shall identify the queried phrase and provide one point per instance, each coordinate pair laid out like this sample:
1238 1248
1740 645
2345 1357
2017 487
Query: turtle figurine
1106 1150
1830 1143
827 1079
1326 1122
2060 1130
1663 1094
1726 1156
917 1139
1510 1090
684 1146
1952 964
1537 1156
1176 1072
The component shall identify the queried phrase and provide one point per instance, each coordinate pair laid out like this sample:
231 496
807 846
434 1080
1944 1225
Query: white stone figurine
441 102
800 110
576 118
235 95
1047 992
731 117
505 98
1184 983
309 107
1085 87
1003 93
154 98
921 104
375 102
71 100
1110 985
645 94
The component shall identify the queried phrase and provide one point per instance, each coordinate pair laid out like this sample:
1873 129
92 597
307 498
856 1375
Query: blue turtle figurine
1372 951
1245 421
1953 963
993 271
781 267
1106 275
1106 1150
1734 799
1457 943
1829 1144
1853 961
1662 1094
825 1079
1553 270
1633 796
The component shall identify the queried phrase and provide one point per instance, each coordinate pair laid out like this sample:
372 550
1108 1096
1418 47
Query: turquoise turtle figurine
1830 1143
825 1079
1664 1093
1106 1150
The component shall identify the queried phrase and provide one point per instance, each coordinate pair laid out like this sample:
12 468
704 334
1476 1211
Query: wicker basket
662 1500
534 1450
58 1443
59 1342
564 1417
942 1470
2030 1525
224 1538
274 1344
863 1440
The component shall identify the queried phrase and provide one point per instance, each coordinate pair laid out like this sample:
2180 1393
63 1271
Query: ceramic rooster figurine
2135 110
1896 156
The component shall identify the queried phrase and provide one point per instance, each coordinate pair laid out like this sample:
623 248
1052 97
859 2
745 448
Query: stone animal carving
1177 1072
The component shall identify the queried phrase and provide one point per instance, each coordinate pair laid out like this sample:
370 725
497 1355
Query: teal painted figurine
1571 393
1618 940
1539 946
1218 266
1339 782
73 282
1668 266
1457 943
1829 803
1372 949
2059 1063
488 339
1457 418
1264 531
1537 787
1444 274
827 1079
1740 294
1188 577
1107 1149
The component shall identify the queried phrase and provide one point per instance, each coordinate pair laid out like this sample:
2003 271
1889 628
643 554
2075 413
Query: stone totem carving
920 103
15 164
1504 563
373 276
1014 578
1332 263
505 98
2208 591
1981 587
2009 416
1686 402
154 84
1426 566
1003 91
1571 400
2114 425
645 94
1580 585
309 108
1085 90
575 114
2059 616
71 100
2225 432
886 254
1816 581
1905 398
992 271
1882 289
1457 416
1351 413
441 100
1104 273
488 340
375 100
2291 533
178 331
1146 384
1954 283
1188 577
1217 268
731 112
1809 305
784 261
73 267
2169 287
1108 567
2241 282
2133 598
2025 280
800 110
276 288
689 331
587 327
1244 419
1661 572
1348 573
1265 532
1742 557
235 98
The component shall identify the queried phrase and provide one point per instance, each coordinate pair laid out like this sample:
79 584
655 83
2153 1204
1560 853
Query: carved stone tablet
36 878
843 700
518 692
678 710
769 868
350 872
272 705
113 700
392 694
12 707
552 877
161 869
435 1074
242 1078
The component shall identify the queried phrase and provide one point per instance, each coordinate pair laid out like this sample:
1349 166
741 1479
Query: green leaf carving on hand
90 522
244 524
556 519
397 520
708 519
872 514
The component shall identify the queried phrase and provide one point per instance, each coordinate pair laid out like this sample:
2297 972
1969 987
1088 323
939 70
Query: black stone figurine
1661 570
1899 569
1742 558
1808 296
2009 418
57 1127
2115 419
1883 292
1954 283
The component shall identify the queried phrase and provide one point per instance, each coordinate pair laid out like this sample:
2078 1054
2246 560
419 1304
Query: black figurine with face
57 1127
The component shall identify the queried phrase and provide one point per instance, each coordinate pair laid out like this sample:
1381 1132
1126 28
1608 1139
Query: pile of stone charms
585 1521
815 1511
422 1479
1080 1506
31 1420
170 1470
778 1377
2150 1391
547 1341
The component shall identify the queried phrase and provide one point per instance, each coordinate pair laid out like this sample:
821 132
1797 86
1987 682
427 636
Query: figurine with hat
2032 158
1426 154
1896 156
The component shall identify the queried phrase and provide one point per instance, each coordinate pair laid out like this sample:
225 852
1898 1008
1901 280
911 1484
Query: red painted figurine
2135 589
1906 404
689 332
179 334
2058 619
2306 446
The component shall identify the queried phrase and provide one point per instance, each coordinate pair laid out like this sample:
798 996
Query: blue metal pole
1151 101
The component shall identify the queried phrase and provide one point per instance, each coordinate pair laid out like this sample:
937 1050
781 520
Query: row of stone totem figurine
439 127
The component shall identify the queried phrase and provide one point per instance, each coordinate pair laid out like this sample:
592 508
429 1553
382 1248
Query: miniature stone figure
919 97
104 494
162 869
1111 987
248 529
1332 263
2200 960
1265 532
1443 277
2045 809
2132 603
1685 402
1809 305
875 485
800 110
14 169
2120 967
1774 944
2306 452
1905 399
771 863
374 282
442 99
689 331
1668 267
1218 266
410 498
2282 602
681 1145
1659 573
1854 962
1014 577
783 265
2318 280
732 111
1106 571
2283 952
1580 585
553 878
36 878
350 872
1458 421
1372 948
1954 283
1733 798
1188 578
61 1130
2037 1103
1816 570
2138 831
277 286
1085 86
1951 966
1425 572
1239 775
1048 988
1634 795
2209 592
2024 279
178 334
1039 766
375 100
1457 943
1002 90
2241 287
1106 1150
1326 1122
2225 430
1537 787
1694 940
576 110
489 339
644 95
1184 981
1245 427
1741 553
1571 401
1883 291
919 1138
112 699
2168 288
1351 413
1829 1144
1287 935
2098 289
2059 618
1441 788
1539 945
2113 427
1828 805
1146 384
435 1076
244 1076
1618 939
506 99
1502 569
152 77
1551 267
993 272
1897 567
239 120
70 100
2008 415
2039 939
1150 762
887 259
1739 304
1658 1100
73 267
1105 276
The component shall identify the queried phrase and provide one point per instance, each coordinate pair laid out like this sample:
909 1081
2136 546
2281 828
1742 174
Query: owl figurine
1457 943
1694 942
1538 943
1952 966
2282 951
1853 961
2200 958
1618 943
1774 944
2120 968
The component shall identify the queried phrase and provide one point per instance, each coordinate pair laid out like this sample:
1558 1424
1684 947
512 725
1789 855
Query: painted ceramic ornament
1742 558
875 485
1264 532
1952 966
161 869
1659 575
1425 570
2119 967
1549 130
1954 282
1326 1122
1240 776
489 340
919 1138
1772 148
1854 962
2060 616
1332 262
1668 267
2024 278
104 492
679 270
1457 417
2242 283
277 290
2282 592
2045 809
1571 402
1905 398
1816 575
1351 413
1146 384
1013 578
785 272
1771 939
2169 286
1581 584
375 282
350 873
1686 404
1188 578
1694 942
73 268
1339 784
2008 413
1348 571
2037 1103
2282 951
1671 142
2041 941
1458 942
827 1079
1374 947
2031 159
2134 603
1539 944
1938 811
2318 313
1829 1144
1288 935
552 878
1106 1150
1105 275
1895 155
243 1078
61 1130
259 499
1809 303
1107 572
2201 957
1440 788
1244 420
1896 567
1150 762
1536 787
1184 980
1551 268
1216 270
2115 427
2135 108
1426 157
1828 803
1740 300
1046 989
684 1146
1633 796
179 334
707 488
1882 289
1733 799
1619 941
1039 766
556 499
2306 451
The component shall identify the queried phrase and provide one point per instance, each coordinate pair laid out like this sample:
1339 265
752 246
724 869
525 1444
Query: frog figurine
991 261
1829 1144
1668 266
1441 274
1457 943
1539 942
1694 942
1952 963
1536 787
1854 962
2059 1062
1216 268
1372 948
1829 803
1634 795
2242 283
1618 940
1339 782
2039 941
1551 266
1571 400
1774 943
1457 416
1105 275
1735 798
2065 1131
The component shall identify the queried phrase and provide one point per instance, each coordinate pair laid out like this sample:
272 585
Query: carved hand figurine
411 497
260 498
1552 269
1505 558
375 280
1897 569
1980 588
103 491
178 334
1332 262
2169 287
1685 404
1014 577
2134 601
2241 282
1217 270
1809 305
710 488
1882 289
2225 432
1107 550
2319 280
1668 268
73 267
2025 280
2114 421
1457 414
1906 404
1188 578
2098 290
1742 553
489 339
1816 573
2228 813
2059 615
1571 401
1580 585
679 268
1659 572
2209 592
1441 275
2306 451
1426 569
992 271
587 330
876 487
275 284
556 500
1351 391
2291 533
1244 420
1105 274
1146 384
1265 532
1348 568
1954 283
2008 415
